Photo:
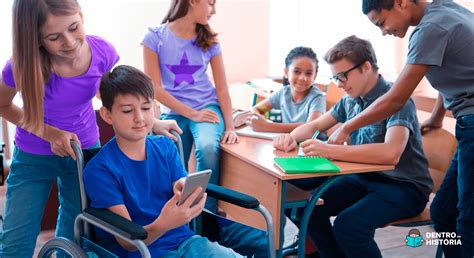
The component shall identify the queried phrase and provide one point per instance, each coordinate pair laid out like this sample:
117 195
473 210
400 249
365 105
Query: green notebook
298 165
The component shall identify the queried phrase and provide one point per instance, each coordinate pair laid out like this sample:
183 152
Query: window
320 25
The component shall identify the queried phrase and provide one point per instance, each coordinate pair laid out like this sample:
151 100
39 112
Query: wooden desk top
260 153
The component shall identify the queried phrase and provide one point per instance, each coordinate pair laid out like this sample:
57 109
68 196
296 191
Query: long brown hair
206 37
31 62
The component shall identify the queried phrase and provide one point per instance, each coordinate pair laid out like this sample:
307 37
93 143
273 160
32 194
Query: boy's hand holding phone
173 215
178 186
187 202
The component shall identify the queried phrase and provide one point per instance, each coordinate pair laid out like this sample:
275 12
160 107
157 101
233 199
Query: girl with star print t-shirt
183 67
176 57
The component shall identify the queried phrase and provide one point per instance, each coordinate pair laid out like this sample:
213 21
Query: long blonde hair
206 37
31 62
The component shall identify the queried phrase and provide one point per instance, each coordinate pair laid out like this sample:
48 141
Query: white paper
300 151
248 131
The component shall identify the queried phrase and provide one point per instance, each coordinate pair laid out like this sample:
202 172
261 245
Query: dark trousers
452 209
362 203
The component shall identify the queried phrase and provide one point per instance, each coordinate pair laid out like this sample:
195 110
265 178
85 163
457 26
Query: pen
315 135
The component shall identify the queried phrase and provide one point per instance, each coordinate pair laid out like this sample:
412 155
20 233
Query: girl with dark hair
176 56
299 101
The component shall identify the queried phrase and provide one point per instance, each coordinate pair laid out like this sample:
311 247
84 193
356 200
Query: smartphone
192 182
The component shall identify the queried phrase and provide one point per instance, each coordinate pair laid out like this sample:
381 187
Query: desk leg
308 210
239 175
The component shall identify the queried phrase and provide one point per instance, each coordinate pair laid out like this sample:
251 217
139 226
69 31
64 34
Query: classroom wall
242 25
255 34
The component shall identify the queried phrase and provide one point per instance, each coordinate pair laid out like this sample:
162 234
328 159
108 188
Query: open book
248 131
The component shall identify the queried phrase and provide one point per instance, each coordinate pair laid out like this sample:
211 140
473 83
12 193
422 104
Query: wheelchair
129 231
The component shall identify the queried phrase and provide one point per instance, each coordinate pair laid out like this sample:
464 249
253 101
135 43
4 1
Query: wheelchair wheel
63 245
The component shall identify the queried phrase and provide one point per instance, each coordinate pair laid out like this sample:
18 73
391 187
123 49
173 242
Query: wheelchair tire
61 244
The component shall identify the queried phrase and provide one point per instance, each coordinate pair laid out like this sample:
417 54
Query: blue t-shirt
413 166
111 178
444 40
183 67
298 112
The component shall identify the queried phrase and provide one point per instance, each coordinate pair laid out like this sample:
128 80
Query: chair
127 230
439 146
333 94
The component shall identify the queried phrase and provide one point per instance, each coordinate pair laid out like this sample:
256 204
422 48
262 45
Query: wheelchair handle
179 145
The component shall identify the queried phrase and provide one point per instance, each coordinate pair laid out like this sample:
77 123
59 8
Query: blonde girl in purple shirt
56 68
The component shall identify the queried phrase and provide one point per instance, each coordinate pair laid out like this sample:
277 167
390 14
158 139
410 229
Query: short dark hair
124 80
356 50
378 5
298 52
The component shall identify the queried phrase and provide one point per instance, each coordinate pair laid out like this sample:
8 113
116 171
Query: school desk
248 167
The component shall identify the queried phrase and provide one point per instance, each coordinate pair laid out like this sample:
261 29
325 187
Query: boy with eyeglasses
363 202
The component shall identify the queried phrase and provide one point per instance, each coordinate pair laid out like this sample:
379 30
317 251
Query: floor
391 240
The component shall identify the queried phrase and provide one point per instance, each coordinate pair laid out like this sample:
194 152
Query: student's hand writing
285 142
163 127
173 216
61 141
314 148
339 136
257 115
230 137
258 123
205 115
430 124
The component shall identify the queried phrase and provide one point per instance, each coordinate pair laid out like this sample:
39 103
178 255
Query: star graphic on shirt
183 72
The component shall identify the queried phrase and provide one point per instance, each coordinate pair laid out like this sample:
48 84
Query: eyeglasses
342 76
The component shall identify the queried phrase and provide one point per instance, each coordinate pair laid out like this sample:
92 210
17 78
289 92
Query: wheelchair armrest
132 230
231 196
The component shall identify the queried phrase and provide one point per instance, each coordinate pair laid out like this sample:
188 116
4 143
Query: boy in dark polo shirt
364 202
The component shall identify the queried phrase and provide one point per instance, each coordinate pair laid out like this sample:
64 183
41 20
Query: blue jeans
243 239
197 246
28 186
452 209
206 137
362 203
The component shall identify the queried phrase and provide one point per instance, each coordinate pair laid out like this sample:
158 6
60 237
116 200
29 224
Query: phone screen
192 182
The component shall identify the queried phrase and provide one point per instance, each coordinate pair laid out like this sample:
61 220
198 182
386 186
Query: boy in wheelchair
140 177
